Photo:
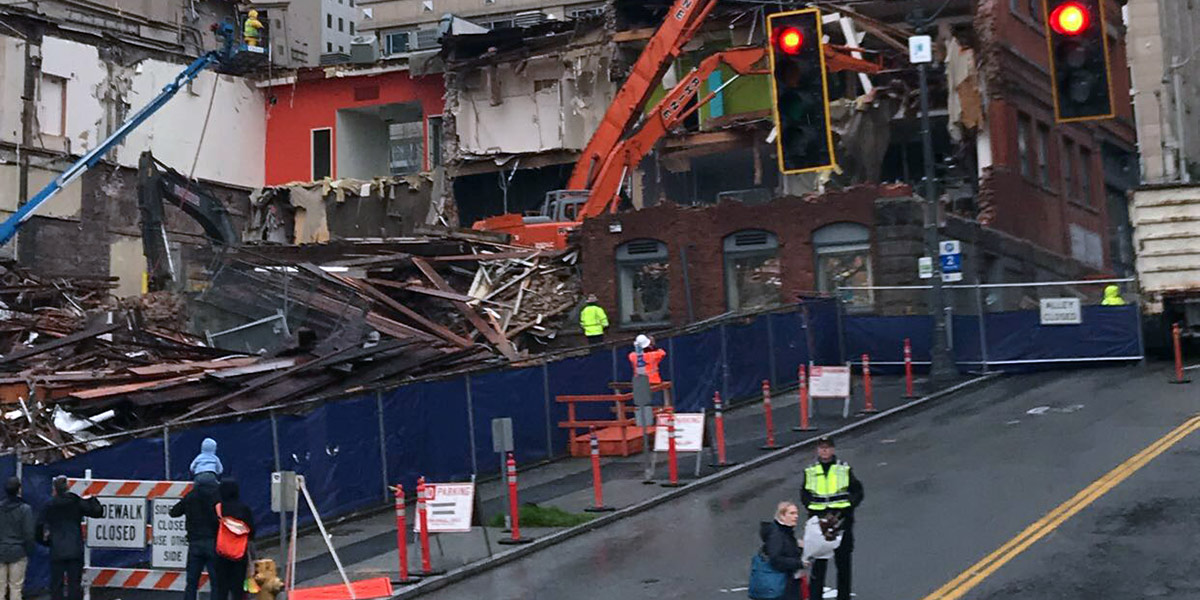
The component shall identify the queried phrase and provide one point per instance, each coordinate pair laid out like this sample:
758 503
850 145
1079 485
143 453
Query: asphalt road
944 488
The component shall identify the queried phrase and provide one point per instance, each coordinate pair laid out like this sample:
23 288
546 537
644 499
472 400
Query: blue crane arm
8 229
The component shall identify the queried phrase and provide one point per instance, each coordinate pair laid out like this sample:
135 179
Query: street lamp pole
942 365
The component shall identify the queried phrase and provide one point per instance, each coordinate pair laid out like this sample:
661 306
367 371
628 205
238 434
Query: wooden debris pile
277 325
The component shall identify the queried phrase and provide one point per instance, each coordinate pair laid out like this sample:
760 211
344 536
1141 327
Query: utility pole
941 367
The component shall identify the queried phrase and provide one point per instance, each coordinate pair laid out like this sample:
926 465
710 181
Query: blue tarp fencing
1009 340
351 449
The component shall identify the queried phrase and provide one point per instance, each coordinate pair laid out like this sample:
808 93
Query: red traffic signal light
791 40
800 94
1071 18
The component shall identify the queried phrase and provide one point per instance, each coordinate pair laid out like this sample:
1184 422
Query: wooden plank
395 285
482 257
420 319
495 337
61 342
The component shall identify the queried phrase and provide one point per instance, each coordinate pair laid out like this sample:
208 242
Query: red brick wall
703 230
1024 207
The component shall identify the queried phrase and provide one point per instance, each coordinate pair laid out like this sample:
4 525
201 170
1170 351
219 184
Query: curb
486 564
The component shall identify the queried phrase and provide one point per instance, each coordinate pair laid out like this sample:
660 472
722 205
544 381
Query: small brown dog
831 525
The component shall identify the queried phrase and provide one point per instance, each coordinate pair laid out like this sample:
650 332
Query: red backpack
232 537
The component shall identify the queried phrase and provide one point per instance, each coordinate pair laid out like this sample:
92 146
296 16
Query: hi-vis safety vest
830 490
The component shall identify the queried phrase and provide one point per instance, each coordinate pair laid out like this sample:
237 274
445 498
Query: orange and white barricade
135 517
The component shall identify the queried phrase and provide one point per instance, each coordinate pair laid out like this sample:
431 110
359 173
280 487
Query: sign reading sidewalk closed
122 526
1061 311
689 432
449 507
169 544
829 382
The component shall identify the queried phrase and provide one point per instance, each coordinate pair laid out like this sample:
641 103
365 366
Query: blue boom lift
234 58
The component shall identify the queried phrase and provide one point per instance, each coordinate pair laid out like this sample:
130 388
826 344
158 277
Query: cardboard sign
448 507
1061 311
689 432
829 382
122 526
169 542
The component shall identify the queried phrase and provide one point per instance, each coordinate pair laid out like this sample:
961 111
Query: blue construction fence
350 449
1009 340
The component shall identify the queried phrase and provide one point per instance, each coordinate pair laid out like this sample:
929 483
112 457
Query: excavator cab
560 206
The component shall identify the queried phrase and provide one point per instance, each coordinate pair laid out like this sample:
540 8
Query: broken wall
98 94
552 102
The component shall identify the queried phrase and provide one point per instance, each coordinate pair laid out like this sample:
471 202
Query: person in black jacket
781 548
16 539
59 528
231 574
199 508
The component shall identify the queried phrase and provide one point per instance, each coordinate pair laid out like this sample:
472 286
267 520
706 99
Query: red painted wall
313 104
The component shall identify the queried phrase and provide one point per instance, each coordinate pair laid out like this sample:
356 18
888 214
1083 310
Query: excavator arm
681 23
674 108
159 185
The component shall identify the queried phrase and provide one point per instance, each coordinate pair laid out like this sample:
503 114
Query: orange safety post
513 505
803 379
719 434
868 395
402 535
672 451
770 420
597 481
423 519
1177 339
908 369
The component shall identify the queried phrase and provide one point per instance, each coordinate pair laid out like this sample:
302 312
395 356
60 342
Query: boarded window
52 105
752 272
643 282
322 153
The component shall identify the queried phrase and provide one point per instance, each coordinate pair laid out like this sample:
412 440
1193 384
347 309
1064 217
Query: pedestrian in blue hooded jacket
207 467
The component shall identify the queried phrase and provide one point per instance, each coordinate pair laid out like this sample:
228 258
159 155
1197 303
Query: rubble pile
301 321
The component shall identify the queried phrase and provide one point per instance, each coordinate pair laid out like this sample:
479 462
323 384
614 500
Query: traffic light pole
941 367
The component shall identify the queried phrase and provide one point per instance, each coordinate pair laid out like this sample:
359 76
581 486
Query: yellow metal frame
1112 105
824 92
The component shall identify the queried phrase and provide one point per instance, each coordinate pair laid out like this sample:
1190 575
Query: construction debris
277 324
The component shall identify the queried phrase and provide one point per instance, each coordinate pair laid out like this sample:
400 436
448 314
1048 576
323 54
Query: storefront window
643 280
752 274
844 260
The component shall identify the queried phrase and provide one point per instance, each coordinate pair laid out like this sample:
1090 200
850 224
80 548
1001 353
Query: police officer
830 485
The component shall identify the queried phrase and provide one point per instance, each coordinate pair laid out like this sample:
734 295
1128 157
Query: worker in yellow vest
252 29
830 485
593 320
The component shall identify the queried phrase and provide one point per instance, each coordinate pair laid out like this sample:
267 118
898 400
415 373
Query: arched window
843 256
643 282
752 274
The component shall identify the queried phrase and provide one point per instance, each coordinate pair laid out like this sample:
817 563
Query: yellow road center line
971 577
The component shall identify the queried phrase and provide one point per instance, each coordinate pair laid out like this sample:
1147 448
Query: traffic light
804 140
1079 67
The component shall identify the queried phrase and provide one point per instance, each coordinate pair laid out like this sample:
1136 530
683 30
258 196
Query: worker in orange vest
645 358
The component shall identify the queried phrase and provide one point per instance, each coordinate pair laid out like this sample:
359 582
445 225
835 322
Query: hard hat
592 298
641 342
253 14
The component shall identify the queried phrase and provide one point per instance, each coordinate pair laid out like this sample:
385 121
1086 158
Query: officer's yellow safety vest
830 490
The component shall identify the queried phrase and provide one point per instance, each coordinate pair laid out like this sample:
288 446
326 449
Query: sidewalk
367 546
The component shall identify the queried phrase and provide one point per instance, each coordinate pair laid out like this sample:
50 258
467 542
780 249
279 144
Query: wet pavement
944 487
367 546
